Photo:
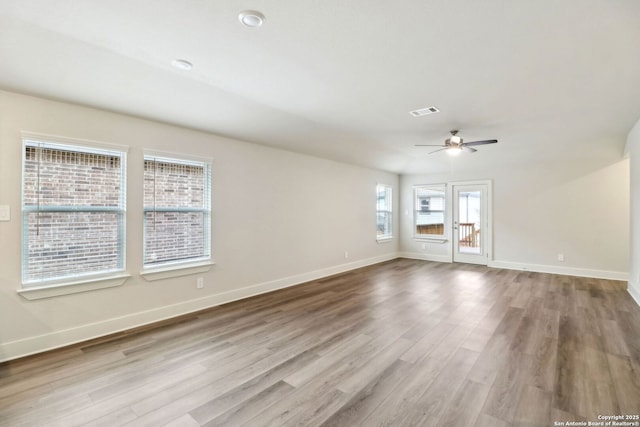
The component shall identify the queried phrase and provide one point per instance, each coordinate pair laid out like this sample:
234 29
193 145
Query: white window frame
179 267
387 212
417 208
35 288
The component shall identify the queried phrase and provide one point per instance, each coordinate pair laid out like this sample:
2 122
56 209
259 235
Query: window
73 212
429 207
177 211
384 208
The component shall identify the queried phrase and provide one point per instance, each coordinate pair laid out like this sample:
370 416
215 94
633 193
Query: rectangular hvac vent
424 111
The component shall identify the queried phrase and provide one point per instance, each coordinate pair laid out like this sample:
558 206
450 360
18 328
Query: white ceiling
551 80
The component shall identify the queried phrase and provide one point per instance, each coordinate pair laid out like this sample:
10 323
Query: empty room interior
220 213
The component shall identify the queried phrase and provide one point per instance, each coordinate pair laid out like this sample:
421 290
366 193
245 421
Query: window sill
169 271
384 239
67 288
431 239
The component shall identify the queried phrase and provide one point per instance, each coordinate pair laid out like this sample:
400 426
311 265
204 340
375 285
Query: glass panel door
469 224
469 230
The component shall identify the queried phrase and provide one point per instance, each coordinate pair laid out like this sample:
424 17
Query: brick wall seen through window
73 212
177 211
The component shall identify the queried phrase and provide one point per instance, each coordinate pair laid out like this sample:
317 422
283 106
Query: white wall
579 208
279 218
633 149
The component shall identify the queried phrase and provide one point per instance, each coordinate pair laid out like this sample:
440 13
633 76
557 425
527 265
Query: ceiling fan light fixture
251 18
454 145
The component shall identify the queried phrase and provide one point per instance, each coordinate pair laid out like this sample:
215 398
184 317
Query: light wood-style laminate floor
401 343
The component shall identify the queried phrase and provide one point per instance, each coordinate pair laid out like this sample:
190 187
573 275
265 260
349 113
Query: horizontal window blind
177 211
73 207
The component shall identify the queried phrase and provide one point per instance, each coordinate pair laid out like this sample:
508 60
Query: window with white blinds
177 211
73 212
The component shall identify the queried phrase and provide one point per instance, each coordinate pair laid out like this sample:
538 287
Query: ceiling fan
455 145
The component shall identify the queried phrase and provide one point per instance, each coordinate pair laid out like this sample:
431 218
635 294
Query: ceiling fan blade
438 150
472 143
469 149
429 145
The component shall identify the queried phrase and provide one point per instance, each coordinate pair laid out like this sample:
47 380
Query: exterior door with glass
470 224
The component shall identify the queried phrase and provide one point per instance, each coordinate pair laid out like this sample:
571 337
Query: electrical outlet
200 283
561 257
424 246
346 254
5 213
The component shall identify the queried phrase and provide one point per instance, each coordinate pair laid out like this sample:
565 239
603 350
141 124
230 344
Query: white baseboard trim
57 339
554 269
634 291
425 257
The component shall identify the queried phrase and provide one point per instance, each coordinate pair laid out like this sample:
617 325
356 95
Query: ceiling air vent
424 111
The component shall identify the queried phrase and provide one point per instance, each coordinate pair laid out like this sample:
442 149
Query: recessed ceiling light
182 64
251 18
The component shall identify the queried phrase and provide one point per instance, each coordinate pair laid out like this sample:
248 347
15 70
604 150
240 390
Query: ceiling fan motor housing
453 141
